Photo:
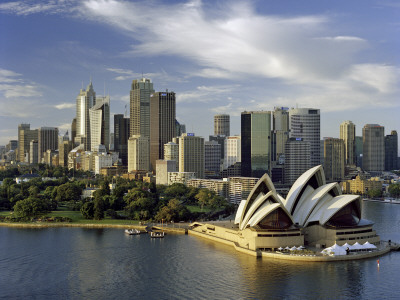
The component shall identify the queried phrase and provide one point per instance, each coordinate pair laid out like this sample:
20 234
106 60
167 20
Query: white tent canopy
368 245
357 246
335 250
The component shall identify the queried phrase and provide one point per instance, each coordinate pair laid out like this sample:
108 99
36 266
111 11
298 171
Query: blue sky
217 56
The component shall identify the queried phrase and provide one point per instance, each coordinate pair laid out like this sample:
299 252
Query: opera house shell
314 213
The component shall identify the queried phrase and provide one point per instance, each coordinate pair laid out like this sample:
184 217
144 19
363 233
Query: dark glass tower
256 143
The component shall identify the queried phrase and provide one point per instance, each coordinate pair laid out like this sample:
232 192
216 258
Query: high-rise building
140 107
212 159
191 154
163 168
233 151
33 152
162 124
99 117
64 147
304 123
12 145
373 148
359 150
121 136
25 136
348 135
220 139
180 128
256 143
84 101
391 148
280 133
334 158
222 125
47 140
73 130
171 152
138 153
297 159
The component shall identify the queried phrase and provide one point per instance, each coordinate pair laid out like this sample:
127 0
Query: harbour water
78 263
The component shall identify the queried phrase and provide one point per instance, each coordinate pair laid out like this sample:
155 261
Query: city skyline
223 57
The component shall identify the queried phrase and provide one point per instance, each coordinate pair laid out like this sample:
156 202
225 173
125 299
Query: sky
217 56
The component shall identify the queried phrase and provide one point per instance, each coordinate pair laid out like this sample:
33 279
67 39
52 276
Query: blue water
77 263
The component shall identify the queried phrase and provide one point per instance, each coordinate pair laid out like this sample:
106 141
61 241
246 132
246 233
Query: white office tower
233 153
138 153
171 152
99 116
297 159
305 123
85 100
222 125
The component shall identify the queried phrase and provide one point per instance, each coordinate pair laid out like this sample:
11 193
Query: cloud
65 105
12 86
206 94
25 8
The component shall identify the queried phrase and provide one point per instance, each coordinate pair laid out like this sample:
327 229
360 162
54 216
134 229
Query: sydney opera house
314 214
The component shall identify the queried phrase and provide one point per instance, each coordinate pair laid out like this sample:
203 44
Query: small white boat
132 231
156 235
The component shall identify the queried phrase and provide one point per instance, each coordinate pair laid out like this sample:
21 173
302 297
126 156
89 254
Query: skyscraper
304 123
138 153
256 143
25 136
233 151
212 159
373 148
222 125
99 117
191 154
348 135
121 136
334 157
85 100
171 152
162 124
280 132
47 140
391 148
297 159
140 107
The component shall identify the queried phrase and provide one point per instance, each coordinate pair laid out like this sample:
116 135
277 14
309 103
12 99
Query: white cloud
65 106
11 86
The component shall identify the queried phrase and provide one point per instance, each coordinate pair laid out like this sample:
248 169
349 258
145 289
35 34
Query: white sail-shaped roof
239 211
300 183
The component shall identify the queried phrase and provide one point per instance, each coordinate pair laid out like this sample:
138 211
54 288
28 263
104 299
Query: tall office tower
33 152
73 130
280 133
47 140
64 147
222 125
373 148
297 159
162 124
334 158
171 152
304 123
391 148
12 145
191 154
140 107
180 128
121 136
256 143
212 159
138 153
25 136
99 117
359 150
220 139
348 135
233 153
85 100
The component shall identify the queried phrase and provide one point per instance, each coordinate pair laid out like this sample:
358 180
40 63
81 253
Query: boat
132 231
157 235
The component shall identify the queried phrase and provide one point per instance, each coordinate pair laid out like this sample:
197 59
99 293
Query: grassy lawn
195 208
77 218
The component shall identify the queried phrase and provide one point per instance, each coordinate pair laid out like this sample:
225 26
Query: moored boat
157 235
132 231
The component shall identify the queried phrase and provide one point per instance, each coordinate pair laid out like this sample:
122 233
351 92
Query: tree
87 210
394 190
98 206
30 207
203 197
174 211
375 193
